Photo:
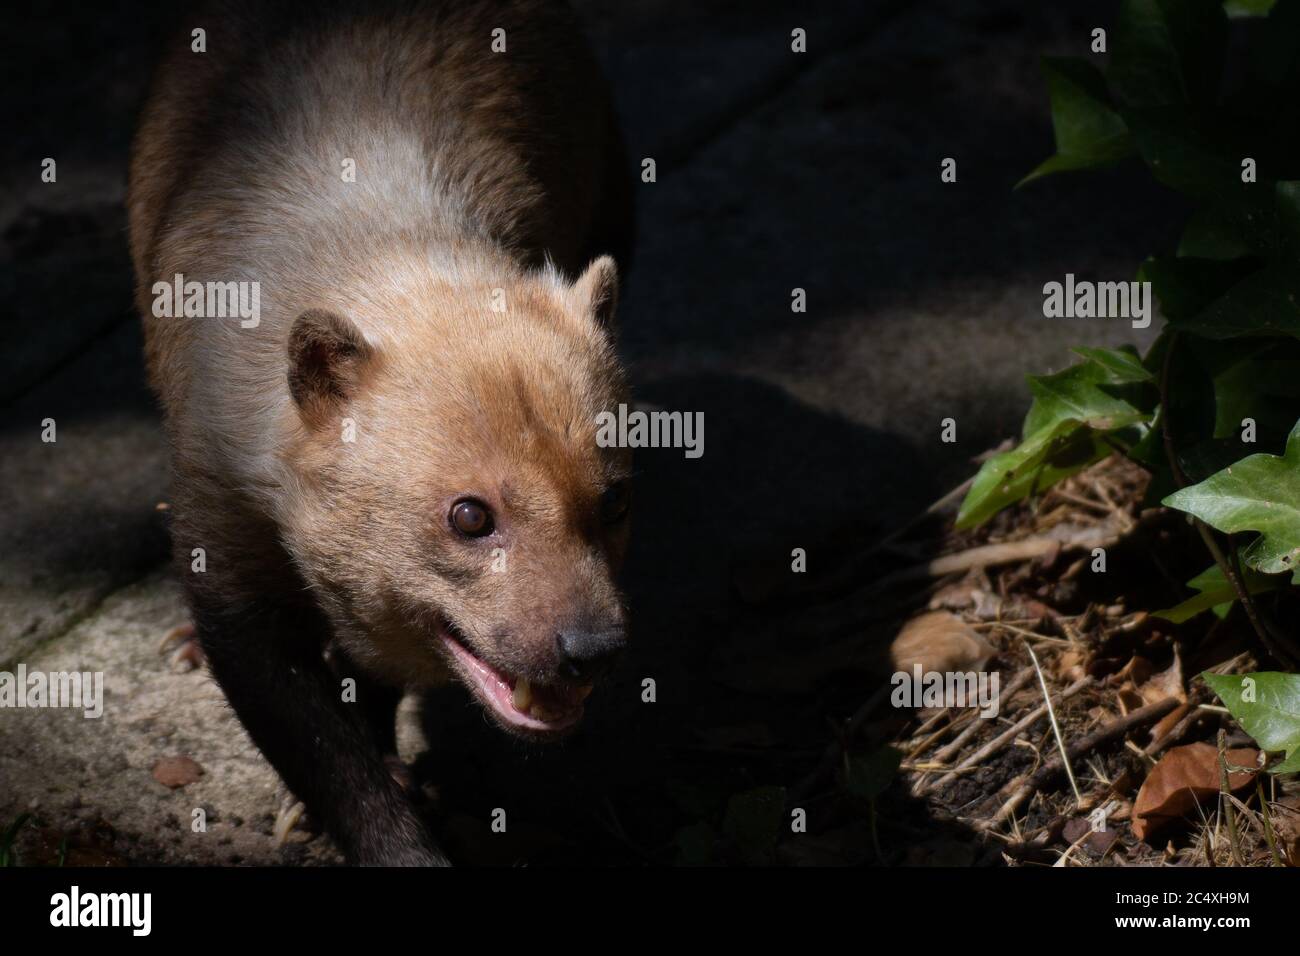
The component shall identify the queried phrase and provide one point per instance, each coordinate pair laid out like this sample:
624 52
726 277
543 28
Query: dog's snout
587 654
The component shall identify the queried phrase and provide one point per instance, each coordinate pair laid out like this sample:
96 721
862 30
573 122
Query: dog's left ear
328 359
597 290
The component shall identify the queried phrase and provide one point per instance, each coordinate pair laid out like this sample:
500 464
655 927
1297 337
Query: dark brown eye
615 502
471 518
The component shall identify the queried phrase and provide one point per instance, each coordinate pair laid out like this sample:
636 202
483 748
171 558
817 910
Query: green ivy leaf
1231 228
1265 302
1242 296
1278 60
1089 133
1124 365
1028 469
1287 205
1090 393
1213 386
1186 151
1184 286
1267 705
1259 493
1073 411
1216 594
1253 378
1248 8
1168 51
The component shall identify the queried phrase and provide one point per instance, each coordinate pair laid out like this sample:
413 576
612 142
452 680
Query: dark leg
376 702
270 666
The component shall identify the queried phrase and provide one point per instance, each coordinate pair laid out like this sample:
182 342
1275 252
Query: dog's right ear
597 290
328 358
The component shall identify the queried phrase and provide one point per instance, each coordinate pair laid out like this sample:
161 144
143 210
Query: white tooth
523 696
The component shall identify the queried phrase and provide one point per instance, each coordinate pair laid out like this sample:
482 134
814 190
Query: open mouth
519 705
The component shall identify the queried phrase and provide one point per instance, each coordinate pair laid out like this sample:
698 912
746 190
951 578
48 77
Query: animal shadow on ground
744 667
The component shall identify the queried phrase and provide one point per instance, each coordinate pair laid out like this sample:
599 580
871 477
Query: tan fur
475 172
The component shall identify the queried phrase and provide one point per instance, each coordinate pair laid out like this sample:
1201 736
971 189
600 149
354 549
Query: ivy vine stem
1283 653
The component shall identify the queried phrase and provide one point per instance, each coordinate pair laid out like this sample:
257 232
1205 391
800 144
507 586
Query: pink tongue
557 699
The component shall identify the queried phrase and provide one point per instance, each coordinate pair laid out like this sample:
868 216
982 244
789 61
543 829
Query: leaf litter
1073 575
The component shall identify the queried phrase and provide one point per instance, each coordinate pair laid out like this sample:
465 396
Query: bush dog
367 240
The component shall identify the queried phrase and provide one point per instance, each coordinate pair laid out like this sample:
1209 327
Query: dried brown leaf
177 771
939 642
1181 779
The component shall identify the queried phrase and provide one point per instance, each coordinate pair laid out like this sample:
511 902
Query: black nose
585 655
